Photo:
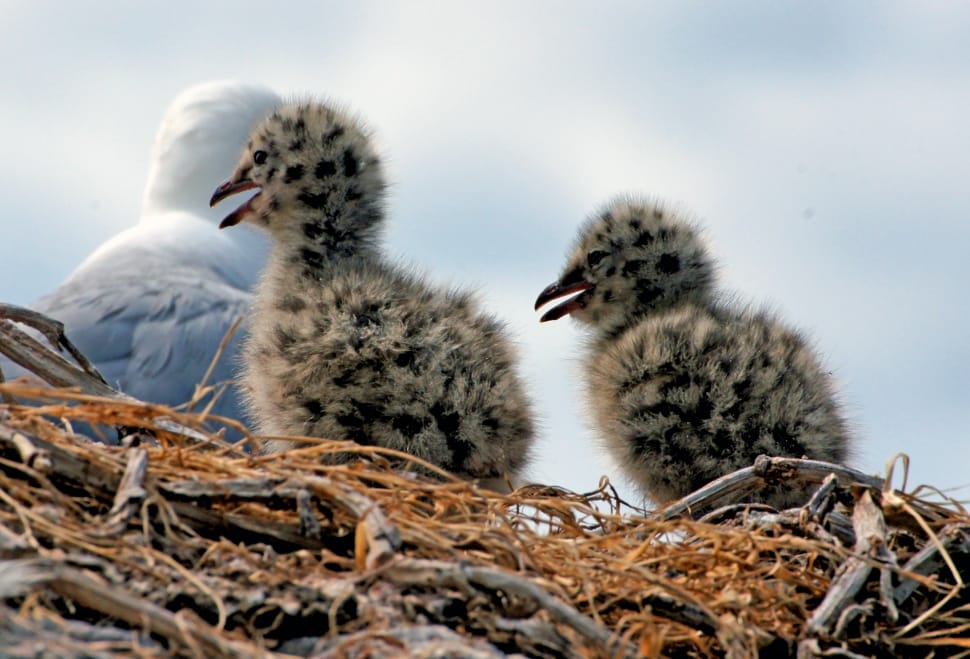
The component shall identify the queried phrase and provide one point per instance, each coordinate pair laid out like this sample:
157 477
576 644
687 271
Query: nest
175 543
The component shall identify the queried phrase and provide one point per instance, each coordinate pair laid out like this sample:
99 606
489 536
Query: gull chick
684 389
347 345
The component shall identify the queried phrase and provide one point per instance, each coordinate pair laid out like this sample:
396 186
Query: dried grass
178 544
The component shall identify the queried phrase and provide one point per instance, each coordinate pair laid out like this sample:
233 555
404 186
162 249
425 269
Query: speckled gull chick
347 345
683 388
150 306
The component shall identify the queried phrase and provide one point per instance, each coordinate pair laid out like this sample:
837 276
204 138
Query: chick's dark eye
259 157
595 257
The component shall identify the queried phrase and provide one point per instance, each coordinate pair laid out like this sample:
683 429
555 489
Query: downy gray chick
682 388
346 345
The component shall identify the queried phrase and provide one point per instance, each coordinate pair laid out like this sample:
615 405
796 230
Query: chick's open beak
560 289
230 188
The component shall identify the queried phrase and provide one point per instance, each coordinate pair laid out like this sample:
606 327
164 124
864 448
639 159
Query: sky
823 146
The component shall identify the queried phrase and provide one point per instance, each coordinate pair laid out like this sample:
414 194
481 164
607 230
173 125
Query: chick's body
694 394
682 388
346 345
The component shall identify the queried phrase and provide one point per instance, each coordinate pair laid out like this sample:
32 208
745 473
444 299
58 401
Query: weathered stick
52 330
57 371
382 538
736 485
114 602
870 532
467 578
954 538
131 492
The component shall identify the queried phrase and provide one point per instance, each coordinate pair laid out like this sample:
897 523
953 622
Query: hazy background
824 145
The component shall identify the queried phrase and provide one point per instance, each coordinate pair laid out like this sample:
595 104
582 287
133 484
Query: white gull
150 306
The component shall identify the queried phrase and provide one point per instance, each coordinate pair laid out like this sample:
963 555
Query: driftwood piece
71 639
954 538
412 640
816 519
64 463
131 492
30 455
811 648
466 578
735 486
381 538
839 609
114 602
29 354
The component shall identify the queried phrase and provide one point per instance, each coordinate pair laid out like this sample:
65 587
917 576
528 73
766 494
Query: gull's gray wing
153 336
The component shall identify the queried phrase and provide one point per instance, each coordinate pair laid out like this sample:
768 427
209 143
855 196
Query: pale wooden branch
23 636
822 500
420 641
382 538
130 495
63 463
53 331
114 602
871 544
74 469
29 353
537 631
245 528
85 590
467 578
815 519
954 539
810 648
736 485
18 577
240 489
30 455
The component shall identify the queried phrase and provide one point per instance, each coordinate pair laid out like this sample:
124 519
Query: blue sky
824 146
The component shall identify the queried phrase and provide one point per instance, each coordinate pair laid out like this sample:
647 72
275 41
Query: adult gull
150 306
